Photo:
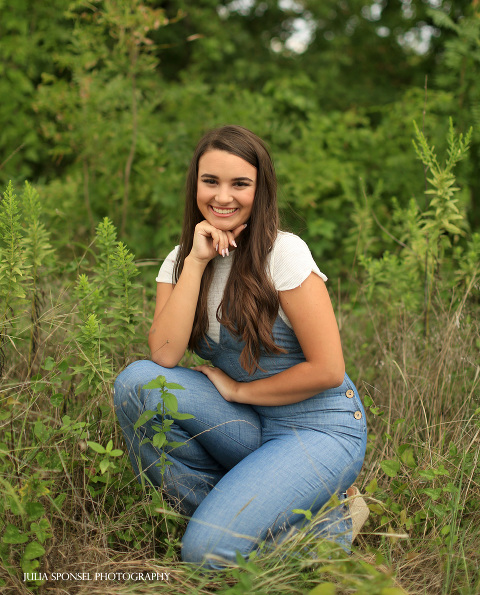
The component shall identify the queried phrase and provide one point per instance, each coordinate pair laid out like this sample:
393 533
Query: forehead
224 164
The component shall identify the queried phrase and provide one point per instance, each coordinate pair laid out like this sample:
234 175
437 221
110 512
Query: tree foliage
104 101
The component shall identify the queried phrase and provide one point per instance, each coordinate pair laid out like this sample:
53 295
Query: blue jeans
242 469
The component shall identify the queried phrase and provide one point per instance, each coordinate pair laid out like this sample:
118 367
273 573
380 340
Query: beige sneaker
358 510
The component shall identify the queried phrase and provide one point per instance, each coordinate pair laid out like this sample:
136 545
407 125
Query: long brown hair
250 302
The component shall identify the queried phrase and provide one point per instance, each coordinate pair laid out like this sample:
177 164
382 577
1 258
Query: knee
134 376
211 549
122 386
129 382
198 554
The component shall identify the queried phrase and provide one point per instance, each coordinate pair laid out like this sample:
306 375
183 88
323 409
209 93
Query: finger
223 244
236 232
205 228
231 239
202 368
216 239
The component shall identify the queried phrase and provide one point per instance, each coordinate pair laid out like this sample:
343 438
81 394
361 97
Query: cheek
201 198
250 201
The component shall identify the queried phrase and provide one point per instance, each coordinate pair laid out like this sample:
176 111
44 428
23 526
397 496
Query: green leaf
34 510
427 474
159 440
116 452
408 457
15 504
158 382
96 447
41 431
29 566
433 493
391 467
63 365
440 470
174 444
376 508
146 416
182 415
367 400
41 530
104 465
33 550
49 363
56 400
39 387
173 385
109 446
13 535
170 401
306 513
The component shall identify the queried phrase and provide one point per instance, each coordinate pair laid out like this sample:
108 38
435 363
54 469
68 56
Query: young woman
277 425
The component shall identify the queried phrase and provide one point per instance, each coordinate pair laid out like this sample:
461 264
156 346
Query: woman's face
226 187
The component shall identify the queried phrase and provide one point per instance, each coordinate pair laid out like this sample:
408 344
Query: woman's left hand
225 385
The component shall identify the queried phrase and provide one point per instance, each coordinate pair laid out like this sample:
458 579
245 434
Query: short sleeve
291 262
165 274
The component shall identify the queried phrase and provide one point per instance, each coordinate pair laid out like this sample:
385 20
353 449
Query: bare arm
175 305
310 312
174 314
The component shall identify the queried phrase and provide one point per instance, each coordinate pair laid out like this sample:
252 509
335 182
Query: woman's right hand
208 241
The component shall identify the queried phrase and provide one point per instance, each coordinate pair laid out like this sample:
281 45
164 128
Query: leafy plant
12 265
425 239
166 413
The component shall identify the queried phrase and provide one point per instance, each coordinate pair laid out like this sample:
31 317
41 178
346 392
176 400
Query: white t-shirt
289 263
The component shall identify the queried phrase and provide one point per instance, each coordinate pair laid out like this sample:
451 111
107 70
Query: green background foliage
102 103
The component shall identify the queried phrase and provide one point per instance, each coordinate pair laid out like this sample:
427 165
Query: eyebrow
241 179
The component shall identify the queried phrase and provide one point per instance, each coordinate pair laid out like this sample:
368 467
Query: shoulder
165 274
287 242
291 262
173 254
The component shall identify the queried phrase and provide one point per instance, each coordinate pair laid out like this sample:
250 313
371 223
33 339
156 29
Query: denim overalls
242 468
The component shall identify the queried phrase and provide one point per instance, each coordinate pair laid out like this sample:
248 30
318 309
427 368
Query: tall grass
410 332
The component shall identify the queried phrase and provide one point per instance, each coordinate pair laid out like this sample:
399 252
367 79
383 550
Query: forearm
172 327
293 385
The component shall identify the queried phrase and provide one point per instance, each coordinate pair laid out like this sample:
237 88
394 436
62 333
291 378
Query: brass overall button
350 393
357 415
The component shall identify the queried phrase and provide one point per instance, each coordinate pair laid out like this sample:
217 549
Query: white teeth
223 211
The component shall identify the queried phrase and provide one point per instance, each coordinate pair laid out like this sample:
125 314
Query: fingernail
226 251
234 244
245 225
216 248
223 252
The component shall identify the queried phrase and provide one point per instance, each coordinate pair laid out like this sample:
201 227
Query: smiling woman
278 425
226 189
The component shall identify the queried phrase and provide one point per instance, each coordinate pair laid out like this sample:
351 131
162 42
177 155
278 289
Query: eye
241 184
209 181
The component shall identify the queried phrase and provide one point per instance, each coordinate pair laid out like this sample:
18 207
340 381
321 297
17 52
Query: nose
223 196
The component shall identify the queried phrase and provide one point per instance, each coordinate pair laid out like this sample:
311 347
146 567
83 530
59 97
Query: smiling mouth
224 212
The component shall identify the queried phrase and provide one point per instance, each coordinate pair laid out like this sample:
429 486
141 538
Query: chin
225 225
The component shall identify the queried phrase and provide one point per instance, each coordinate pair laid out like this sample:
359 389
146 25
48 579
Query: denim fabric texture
242 468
